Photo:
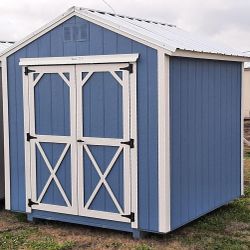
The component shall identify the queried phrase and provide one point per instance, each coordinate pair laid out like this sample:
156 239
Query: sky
225 21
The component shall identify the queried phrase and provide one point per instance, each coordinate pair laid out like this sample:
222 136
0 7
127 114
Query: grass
227 228
28 238
49 243
143 247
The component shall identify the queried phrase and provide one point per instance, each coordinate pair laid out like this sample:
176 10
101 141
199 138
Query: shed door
78 148
103 132
52 138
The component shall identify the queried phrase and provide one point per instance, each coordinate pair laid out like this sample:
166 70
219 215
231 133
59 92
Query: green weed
49 243
14 239
143 247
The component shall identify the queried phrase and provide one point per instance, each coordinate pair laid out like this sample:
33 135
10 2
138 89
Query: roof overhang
210 56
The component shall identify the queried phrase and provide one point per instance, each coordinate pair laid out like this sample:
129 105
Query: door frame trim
75 60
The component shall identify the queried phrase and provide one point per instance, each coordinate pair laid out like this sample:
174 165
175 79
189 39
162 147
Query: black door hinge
27 71
30 137
130 216
129 68
130 143
30 203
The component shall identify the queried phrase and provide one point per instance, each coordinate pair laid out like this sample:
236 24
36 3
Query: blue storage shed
120 122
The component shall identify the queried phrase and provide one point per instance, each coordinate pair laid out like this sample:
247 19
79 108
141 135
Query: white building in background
246 96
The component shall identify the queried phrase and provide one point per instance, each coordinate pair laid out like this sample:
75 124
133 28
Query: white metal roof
4 45
164 35
156 34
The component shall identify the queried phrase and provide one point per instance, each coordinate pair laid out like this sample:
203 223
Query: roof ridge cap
122 16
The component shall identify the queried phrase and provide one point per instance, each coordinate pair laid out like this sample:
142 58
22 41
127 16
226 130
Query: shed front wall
1 141
205 132
101 41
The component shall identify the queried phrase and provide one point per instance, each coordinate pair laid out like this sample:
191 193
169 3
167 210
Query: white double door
78 140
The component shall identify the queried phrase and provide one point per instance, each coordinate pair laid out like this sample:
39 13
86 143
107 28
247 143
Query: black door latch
79 140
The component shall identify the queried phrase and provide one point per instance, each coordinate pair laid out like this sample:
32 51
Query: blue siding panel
101 41
14 167
205 98
20 129
152 160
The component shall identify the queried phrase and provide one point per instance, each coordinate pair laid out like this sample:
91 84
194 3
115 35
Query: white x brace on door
81 145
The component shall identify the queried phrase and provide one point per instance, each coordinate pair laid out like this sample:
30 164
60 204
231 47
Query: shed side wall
205 99
101 41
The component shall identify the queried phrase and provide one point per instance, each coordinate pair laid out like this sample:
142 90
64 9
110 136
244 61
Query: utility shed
3 45
122 123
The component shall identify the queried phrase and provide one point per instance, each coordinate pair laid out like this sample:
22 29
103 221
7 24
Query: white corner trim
163 142
6 134
242 129
209 56
117 58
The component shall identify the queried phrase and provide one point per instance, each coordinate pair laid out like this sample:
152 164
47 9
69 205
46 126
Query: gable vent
76 33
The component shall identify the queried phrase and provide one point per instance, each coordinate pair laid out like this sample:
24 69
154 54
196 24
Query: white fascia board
121 58
210 56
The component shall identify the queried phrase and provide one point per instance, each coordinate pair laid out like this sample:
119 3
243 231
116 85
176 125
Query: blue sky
225 21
